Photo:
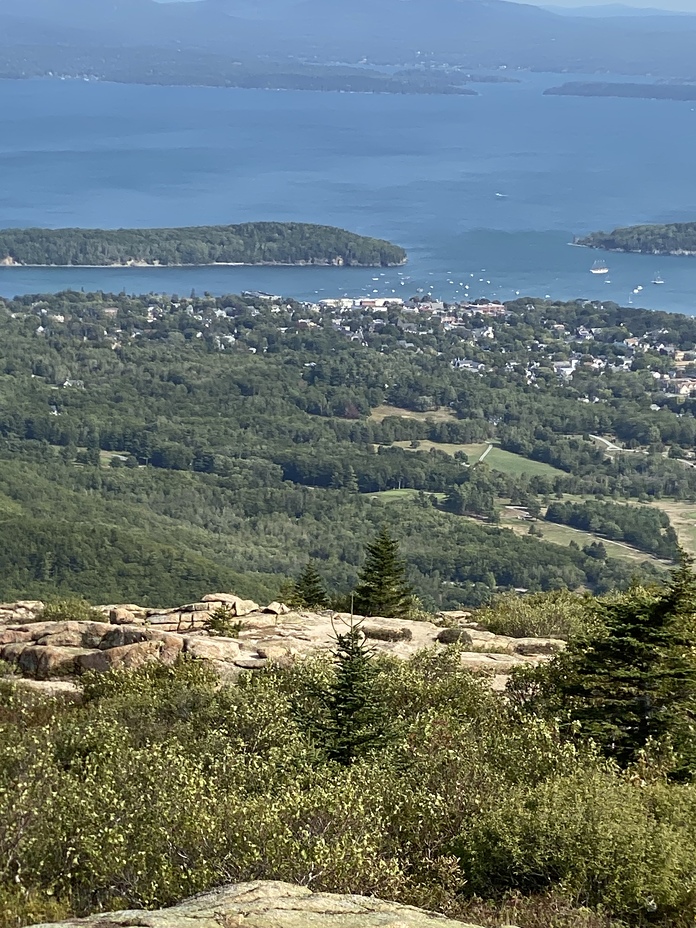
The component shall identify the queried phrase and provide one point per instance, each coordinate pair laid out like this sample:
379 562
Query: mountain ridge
473 33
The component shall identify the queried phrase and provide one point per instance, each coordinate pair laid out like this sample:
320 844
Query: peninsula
643 91
253 243
676 238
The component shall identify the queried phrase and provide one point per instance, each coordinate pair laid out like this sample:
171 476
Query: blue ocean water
485 192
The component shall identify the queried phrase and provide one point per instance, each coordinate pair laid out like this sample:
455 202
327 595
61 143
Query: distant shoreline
140 265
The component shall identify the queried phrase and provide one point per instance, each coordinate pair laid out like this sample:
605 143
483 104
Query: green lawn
516 465
496 459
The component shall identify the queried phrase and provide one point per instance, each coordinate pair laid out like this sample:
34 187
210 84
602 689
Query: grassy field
516 465
496 459
564 534
437 415
682 515
391 496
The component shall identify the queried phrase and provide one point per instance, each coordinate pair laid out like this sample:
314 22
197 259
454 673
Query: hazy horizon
682 6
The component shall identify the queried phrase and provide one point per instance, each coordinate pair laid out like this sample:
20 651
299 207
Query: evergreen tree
309 591
634 682
382 589
355 721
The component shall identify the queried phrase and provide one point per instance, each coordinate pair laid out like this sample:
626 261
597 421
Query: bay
484 192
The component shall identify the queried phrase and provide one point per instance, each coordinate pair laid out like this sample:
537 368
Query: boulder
120 636
14 635
212 649
271 905
122 616
129 657
277 609
13 651
251 663
236 605
42 662
52 689
74 635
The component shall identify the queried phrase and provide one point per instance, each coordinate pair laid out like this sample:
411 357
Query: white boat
599 267
658 280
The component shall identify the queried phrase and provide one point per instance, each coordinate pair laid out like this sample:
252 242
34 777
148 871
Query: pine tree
634 682
309 591
355 721
382 588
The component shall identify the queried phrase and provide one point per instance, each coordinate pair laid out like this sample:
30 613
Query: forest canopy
247 243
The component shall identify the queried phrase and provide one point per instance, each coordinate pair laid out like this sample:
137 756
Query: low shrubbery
162 784
69 610
558 614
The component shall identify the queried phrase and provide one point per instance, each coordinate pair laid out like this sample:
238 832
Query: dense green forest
247 243
670 239
153 448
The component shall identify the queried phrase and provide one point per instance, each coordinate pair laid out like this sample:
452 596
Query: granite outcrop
270 904
127 636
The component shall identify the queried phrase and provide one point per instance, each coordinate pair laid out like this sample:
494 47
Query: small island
676 238
251 243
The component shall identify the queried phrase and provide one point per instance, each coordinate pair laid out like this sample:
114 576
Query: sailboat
658 279
599 267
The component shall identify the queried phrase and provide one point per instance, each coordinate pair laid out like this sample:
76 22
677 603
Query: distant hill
474 33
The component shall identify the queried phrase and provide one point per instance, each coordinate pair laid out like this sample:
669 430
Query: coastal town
480 336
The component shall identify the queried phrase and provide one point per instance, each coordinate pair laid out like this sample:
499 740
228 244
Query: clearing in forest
441 414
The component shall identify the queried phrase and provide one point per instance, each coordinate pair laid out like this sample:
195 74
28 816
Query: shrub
558 614
70 610
455 636
223 623
377 633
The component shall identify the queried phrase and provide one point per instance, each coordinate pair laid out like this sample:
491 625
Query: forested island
675 238
164 67
253 243
611 89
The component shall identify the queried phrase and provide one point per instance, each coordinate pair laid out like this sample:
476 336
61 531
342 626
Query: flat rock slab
272 905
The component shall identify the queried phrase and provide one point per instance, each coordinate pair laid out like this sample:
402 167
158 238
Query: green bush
7 669
161 784
223 623
558 614
70 610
